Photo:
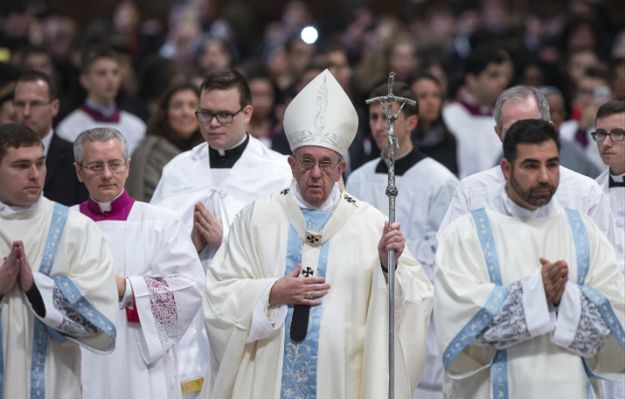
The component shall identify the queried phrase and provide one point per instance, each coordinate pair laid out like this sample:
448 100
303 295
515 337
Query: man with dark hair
609 134
610 137
488 71
208 185
100 77
56 282
425 191
481 190
36 104
529 299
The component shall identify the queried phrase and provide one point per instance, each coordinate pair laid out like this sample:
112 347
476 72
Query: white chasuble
153 251
72 271
345 351
188 179
481 256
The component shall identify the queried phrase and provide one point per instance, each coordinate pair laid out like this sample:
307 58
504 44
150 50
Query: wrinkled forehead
316 152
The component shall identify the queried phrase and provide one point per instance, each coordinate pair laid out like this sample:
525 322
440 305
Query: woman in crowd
172 130
431 136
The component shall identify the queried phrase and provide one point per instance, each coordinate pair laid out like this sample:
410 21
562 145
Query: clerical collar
100 113
616 180
402 164
328 206
218 158
8 210
513 209
469 103
117 209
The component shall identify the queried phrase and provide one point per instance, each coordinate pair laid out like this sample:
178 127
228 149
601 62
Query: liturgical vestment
344 353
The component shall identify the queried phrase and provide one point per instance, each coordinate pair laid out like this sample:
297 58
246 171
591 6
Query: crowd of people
232 192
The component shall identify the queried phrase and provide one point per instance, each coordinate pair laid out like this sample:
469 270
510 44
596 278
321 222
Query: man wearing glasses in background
208 185
36 105
610 137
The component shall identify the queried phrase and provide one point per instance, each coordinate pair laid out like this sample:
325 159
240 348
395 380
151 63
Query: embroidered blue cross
308 272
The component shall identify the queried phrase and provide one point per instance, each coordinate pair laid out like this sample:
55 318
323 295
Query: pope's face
316 170
103 169
22 174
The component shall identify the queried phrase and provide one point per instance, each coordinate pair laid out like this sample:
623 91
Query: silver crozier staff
391 193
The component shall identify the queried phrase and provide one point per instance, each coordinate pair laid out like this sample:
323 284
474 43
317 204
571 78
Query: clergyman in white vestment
56 283
208 185
574 191
609 134
157 269
425 188
296 298
529 301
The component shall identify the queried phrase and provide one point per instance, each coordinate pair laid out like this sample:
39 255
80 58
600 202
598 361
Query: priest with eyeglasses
296 297
207 185
157 271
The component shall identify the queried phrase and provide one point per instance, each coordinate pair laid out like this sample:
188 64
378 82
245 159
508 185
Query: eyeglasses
223 117
614 134
98 167
20 105
325 165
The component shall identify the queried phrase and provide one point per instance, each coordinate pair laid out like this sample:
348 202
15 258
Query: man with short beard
529 300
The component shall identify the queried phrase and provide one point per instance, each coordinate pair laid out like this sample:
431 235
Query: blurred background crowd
573 50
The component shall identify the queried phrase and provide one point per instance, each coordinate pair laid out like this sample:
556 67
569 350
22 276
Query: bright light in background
309 34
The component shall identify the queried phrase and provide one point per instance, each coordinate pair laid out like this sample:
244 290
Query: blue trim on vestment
299 364
607 313
499 374
40 338
1 356
582 247
499 368
487 243
86 309
476 325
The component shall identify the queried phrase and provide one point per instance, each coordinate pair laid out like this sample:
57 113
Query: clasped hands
207 229
294 290
15 269
554 275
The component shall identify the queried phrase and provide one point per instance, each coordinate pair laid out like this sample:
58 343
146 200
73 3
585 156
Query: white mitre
321 115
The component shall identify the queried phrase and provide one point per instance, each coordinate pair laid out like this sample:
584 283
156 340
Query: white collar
618 178
515 210
328 206
8 210
222 152
106 206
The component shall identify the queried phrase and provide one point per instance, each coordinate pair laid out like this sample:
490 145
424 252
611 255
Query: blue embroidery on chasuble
499 368
582 247
40 338
1 356
299 364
